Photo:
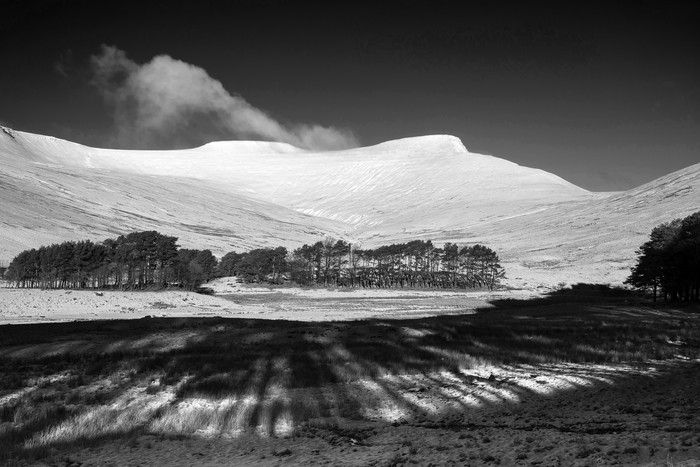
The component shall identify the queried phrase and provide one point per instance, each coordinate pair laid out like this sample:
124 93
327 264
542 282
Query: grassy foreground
66 386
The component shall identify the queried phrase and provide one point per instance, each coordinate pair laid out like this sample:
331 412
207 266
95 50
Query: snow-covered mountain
236 195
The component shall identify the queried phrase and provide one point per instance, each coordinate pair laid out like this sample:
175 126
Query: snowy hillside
592 240
241 194
372 185
49 192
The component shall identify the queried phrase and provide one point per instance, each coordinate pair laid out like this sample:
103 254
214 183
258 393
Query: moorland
583 375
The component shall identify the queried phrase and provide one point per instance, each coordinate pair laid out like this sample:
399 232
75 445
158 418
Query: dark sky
607 97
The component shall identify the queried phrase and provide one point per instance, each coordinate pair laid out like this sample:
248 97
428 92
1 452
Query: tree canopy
149 259
135 261
414 264
669 262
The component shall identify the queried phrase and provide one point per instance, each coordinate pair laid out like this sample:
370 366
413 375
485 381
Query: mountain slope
383 184
241 194
592 240
49 194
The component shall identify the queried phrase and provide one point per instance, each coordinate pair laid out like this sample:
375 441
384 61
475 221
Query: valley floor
234 300
576 377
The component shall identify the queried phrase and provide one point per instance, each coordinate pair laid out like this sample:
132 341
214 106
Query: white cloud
170 102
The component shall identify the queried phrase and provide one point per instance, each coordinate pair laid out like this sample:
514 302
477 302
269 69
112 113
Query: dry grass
78 384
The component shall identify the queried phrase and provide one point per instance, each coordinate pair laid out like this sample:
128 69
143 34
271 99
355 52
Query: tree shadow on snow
223 377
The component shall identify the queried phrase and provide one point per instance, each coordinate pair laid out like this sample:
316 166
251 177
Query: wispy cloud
167 102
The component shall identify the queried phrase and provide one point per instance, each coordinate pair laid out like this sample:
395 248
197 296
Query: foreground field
573 378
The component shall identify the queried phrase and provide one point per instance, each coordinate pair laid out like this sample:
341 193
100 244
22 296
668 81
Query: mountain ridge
230 195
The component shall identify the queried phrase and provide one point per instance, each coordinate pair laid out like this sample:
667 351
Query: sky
607 97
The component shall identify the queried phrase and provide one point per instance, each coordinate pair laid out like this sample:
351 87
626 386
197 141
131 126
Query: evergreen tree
669 262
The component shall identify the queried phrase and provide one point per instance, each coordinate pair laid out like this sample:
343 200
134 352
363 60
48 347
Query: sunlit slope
396 183
242 194
44 199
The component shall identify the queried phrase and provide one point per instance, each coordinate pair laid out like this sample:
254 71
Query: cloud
169 103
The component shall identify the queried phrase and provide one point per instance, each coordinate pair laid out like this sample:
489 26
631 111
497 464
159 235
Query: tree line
669 262
338 263
138 260
149 259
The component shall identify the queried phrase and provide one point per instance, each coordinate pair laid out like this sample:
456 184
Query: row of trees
669 263
135 261
338 263
149 259
259 265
